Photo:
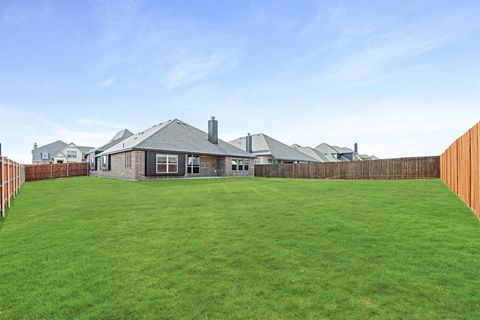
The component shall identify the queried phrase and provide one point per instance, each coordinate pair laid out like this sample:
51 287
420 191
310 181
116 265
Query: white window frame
128 159
70 153
104 164
92 163
168 156
191 166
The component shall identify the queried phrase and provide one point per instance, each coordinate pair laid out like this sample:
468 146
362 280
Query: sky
401 78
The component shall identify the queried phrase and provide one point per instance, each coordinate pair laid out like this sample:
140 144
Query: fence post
67 168
8 182
2 188
51 171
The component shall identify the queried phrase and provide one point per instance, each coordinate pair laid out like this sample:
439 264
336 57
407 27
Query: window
257 160
128 159
92 163
240 165
167 163
104 162
71 154
193 164
45 156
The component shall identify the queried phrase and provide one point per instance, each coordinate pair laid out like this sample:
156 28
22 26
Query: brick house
173 149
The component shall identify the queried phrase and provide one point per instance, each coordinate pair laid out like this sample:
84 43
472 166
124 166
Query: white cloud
162 52
107 82
18 136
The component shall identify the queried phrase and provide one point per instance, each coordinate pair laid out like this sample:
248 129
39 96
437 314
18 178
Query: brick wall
210 166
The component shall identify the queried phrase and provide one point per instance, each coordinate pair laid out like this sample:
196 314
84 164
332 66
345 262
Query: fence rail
401 168
52 171
460 167
11 180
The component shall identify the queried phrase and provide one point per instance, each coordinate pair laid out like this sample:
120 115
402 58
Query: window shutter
109 162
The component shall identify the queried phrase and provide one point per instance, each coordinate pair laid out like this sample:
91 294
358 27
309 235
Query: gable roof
176 136
82 149
342 149
51 148
85 149
118 137
266 145
328 151
309 151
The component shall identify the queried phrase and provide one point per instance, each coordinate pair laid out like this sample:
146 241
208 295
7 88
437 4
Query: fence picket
10 182
461 168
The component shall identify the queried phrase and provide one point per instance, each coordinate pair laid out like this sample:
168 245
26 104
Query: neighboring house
345 154
173 149
328 151
117 138
335 153
59 152
317 155
268 150
367 157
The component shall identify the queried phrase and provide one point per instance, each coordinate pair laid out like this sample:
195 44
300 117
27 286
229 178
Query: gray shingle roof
118 137
51 148
327 151
176 136
266 145
85 149
309 151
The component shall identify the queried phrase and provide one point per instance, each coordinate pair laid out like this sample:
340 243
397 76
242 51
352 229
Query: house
173 149
268 150
335 153
367 157
328 151
345 154
317 155
117 138
59 152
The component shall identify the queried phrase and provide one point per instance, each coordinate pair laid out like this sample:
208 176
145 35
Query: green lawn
244 248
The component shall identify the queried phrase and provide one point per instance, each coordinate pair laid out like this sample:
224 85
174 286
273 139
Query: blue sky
401 78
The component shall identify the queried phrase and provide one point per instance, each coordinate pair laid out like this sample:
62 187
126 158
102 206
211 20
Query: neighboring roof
309 151
342 149
85 149
367 157
51 148
177 136
327 151
82 149
266 145
118 137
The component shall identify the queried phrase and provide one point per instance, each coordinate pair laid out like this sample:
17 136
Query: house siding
151 164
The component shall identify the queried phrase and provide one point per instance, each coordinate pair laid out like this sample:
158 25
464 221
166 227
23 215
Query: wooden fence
11 179
460 168
52 171
402 168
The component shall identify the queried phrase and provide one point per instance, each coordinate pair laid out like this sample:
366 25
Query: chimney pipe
213 130
355 147
248 143
35 146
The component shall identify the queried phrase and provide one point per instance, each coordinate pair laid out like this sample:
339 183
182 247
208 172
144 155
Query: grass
89 248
